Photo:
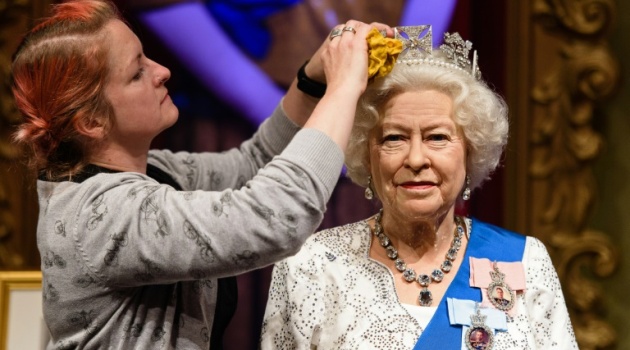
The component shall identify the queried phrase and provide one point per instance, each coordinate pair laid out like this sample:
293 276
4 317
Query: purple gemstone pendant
425 298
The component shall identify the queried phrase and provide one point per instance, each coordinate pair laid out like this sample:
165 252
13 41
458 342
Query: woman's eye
139 74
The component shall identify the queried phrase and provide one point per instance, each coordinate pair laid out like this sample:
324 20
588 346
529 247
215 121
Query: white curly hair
478 111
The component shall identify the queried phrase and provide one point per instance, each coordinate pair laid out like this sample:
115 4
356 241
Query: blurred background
557 63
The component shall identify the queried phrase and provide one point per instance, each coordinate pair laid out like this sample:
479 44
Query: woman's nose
162 74
417 156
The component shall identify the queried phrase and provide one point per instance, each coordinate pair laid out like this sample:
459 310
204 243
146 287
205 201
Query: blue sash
486 241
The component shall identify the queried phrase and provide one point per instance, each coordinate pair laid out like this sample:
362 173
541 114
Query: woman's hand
345 59
340 62
315 68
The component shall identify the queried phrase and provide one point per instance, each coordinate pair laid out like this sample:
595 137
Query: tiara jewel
418 49
417 41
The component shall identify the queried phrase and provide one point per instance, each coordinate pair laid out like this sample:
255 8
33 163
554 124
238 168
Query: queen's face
136 90
417 156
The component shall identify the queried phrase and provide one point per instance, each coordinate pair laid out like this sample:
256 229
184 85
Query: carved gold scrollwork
11 13
589 251
579 17
564 146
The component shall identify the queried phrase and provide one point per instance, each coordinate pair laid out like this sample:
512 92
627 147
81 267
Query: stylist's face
136 89
417 155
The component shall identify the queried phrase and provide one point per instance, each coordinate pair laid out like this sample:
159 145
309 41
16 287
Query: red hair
58 78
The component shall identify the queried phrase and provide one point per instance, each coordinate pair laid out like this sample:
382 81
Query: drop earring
466 193
368 190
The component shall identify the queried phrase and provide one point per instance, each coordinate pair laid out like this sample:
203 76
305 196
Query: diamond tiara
418 49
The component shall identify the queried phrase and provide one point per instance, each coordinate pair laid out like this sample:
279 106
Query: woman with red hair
139 247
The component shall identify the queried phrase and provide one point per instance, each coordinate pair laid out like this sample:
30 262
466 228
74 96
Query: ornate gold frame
11 281
559 70
18 205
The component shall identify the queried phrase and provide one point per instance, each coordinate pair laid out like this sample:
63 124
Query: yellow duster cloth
383 52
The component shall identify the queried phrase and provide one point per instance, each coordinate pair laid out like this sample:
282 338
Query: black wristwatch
308 85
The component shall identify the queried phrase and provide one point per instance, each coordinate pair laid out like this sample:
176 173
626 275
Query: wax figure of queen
415 275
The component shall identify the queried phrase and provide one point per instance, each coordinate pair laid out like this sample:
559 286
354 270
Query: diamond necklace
425 298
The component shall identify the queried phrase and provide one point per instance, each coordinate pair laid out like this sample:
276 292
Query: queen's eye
392 137
438 137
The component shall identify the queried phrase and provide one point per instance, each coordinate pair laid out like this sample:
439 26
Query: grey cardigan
129 263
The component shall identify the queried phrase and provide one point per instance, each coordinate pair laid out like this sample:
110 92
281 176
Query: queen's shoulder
348 237
351 229
506 237
487 228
